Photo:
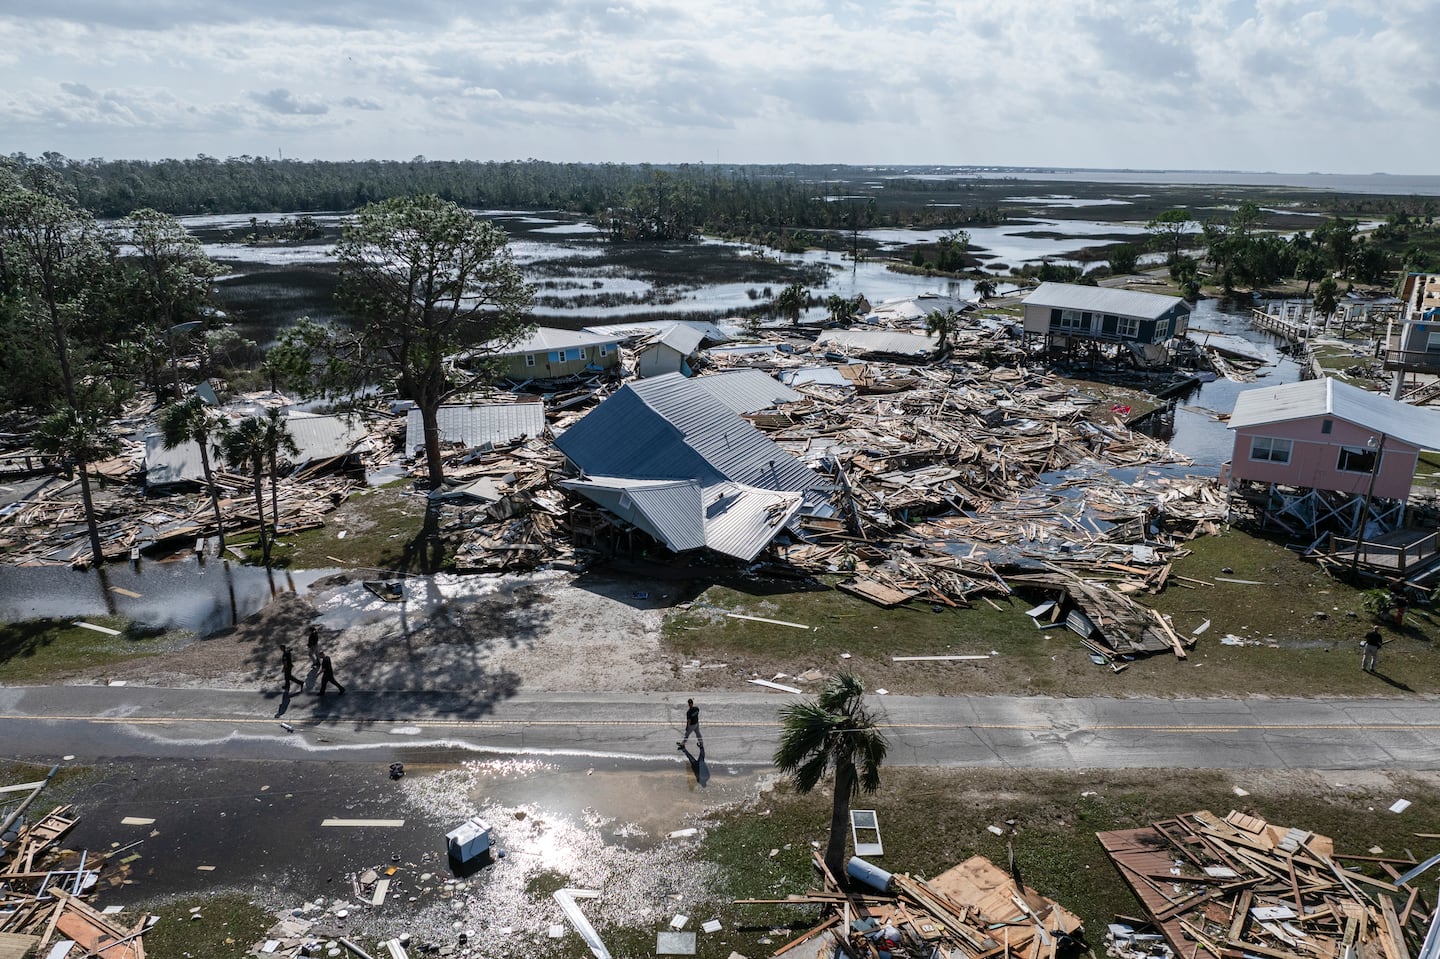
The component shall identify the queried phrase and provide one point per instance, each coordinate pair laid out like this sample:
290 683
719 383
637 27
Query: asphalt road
99 723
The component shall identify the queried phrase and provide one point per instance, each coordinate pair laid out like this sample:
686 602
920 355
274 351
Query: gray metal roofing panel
730 518
708 331
746 391
478 424
1330 397
670 428
179 465
671 511
1099 299
682 339
546 338
877 341
321 437
741 521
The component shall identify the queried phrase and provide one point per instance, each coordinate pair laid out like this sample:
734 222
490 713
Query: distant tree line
631 202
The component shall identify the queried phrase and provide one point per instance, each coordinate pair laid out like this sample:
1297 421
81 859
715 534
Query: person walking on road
692 725
327 677
1370 650
312 645
287 664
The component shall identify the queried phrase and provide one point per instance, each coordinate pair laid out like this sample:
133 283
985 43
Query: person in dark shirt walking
312 646
692 725
327 677
1370 651
287 663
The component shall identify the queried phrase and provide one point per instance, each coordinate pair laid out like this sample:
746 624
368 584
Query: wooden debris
1241 886
974 910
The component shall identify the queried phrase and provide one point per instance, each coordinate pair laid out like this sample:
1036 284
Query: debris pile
43 888
1238 885
974 909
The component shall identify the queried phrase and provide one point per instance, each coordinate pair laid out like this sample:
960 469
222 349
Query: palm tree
835 731
942 325
792 301
985 289
191 421
79 440
277 439
243 444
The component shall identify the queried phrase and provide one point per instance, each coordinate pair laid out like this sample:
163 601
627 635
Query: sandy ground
542 631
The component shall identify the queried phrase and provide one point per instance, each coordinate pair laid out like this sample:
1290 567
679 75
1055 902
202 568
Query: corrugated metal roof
545 338
1330 397
671 511
179 465
479 424
668 427
915 308
747 391
821 375
730 518
1099 299
682 339
889 342
625 331
321 437
317 437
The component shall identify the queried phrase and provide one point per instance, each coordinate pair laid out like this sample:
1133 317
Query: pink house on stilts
1322 455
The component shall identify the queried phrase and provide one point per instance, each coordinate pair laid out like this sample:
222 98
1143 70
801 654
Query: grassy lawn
380 528
45 650
932 819
1288 649
228 926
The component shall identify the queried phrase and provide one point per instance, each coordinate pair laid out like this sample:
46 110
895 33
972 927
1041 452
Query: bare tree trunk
430 419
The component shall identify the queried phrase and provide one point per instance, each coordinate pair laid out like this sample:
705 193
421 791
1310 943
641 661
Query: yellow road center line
649 724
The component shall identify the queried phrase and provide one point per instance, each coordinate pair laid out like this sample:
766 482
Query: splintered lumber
1242 885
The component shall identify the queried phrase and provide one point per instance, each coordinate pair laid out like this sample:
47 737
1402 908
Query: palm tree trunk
214 492
840 822
96 553
260 511
274 501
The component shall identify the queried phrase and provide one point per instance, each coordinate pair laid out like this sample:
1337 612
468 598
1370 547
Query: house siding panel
1315 455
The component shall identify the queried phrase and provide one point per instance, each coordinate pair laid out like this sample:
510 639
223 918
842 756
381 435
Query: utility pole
1365 510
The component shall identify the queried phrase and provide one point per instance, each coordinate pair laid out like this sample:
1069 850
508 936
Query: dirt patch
545 631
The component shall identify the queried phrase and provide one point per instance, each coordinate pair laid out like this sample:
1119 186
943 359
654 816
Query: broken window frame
1357 459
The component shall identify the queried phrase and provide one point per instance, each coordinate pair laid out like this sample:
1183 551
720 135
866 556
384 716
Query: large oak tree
425 279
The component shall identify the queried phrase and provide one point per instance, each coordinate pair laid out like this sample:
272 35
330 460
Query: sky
1331 86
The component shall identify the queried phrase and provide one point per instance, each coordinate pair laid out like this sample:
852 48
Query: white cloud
1162 83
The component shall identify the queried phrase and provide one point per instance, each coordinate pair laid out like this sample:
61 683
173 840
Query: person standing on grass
287 663
327 677
1370 650
692 725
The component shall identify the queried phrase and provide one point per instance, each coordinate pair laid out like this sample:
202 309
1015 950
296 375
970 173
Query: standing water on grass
179 594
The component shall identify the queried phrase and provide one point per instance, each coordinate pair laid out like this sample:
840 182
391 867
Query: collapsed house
478 425
973 910
323 442
666 456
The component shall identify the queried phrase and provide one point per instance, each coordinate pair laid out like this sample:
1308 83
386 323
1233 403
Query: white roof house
1416 425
